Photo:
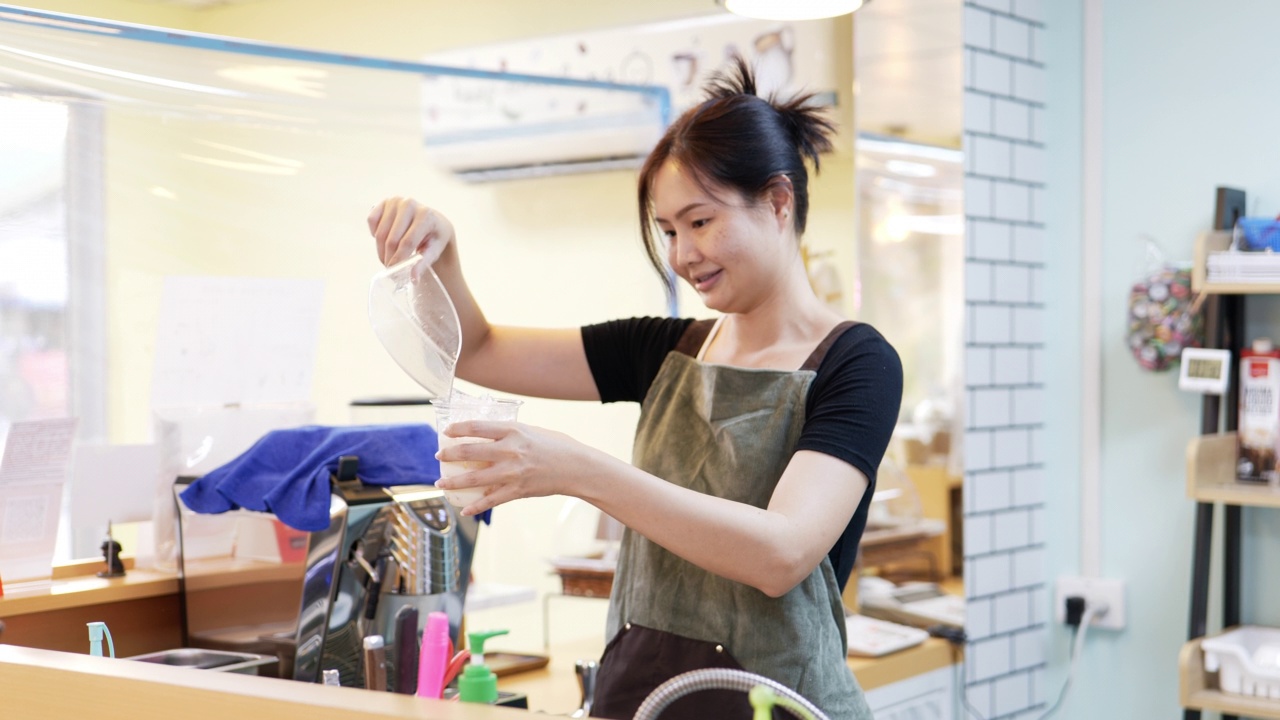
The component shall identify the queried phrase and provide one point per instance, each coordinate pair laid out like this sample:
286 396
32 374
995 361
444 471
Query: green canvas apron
727 432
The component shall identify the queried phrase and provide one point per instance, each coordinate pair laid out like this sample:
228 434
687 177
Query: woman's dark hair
737 140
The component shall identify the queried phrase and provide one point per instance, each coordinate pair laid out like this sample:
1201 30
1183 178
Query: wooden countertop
930 655
41 677
77 586
48 684
57 685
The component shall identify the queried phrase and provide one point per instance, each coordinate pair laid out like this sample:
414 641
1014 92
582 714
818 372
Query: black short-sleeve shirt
850 411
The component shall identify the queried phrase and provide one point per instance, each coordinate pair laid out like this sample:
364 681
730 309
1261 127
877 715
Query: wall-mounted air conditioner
601 100
527 129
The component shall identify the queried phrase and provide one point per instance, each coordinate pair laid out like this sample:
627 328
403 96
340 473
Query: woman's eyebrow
683 210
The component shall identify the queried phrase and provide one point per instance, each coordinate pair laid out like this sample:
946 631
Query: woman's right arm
536 362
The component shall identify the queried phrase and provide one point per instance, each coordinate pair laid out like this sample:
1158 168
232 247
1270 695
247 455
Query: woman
759 436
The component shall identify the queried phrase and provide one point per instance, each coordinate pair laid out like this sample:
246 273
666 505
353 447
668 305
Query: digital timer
1205 370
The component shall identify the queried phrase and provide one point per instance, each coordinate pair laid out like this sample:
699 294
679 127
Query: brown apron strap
820 352
694 335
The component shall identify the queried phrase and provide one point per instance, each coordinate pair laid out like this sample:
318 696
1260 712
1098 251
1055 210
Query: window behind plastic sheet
35 372
911 263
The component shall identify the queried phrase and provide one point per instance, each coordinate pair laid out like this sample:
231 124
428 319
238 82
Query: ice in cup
458 409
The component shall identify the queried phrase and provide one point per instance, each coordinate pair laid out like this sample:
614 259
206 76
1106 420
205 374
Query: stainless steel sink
220 660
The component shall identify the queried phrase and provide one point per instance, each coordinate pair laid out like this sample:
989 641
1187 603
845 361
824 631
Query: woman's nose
683 252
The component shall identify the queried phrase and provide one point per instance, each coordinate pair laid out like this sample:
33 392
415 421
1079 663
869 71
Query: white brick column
1004 435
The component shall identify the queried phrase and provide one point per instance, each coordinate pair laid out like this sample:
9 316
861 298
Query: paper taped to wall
32 471
226 340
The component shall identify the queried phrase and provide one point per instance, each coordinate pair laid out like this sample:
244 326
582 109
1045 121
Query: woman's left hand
522 461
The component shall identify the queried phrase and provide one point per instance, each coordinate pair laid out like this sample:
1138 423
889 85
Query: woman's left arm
771 549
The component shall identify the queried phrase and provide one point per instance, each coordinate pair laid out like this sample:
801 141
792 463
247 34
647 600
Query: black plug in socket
1075 610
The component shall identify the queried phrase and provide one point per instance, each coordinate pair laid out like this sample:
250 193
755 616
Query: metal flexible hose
722 679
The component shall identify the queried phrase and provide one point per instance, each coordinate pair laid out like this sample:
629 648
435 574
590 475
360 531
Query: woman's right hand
404 226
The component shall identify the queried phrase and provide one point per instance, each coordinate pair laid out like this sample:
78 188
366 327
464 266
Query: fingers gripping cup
460 408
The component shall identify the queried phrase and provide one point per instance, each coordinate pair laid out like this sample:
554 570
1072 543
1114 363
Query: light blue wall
1189 102
1063 28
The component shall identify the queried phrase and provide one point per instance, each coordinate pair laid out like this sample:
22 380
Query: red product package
1259 420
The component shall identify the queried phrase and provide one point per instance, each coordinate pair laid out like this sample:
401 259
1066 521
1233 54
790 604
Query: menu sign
32 471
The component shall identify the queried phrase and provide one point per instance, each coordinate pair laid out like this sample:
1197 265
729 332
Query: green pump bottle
478 684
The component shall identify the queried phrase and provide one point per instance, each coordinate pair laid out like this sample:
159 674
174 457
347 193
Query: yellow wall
144 13
408 28
561 251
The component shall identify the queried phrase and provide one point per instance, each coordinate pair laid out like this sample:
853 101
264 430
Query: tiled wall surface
1004 436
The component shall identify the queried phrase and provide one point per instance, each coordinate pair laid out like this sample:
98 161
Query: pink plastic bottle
435 656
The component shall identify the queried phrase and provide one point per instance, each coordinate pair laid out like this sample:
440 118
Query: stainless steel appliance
219 660
252 584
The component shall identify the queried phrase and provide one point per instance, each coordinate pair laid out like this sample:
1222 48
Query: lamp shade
791 9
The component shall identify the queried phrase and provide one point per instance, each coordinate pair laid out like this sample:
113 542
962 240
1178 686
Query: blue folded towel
287 471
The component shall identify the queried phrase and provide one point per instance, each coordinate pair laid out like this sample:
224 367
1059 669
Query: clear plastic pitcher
416 322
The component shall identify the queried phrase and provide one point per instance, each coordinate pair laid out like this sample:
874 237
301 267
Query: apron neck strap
694 337
820 352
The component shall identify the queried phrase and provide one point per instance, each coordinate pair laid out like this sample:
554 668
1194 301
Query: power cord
1079 616
957 638
1083 616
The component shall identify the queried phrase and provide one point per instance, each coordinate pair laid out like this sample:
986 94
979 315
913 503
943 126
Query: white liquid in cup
485 408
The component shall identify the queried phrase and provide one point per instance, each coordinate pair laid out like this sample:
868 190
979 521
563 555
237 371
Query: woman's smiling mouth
702 282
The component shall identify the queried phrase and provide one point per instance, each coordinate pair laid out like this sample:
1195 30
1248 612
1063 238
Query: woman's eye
700 223
669 234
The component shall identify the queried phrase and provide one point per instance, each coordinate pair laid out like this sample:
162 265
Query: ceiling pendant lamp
791 9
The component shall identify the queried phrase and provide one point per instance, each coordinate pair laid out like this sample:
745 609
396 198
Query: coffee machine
389 557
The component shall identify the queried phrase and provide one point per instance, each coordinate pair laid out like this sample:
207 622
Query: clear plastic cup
458 409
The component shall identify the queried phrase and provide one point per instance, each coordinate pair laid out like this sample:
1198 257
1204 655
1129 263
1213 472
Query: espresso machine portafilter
252 584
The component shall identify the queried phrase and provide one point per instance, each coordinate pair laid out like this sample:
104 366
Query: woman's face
730 250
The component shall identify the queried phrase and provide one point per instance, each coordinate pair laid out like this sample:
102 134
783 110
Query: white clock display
1205 370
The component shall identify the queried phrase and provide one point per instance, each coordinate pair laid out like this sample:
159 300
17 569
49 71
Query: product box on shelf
1259 421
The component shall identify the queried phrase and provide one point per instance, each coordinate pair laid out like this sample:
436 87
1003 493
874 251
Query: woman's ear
782 200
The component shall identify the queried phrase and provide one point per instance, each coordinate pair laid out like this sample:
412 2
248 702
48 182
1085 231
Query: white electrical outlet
1095 591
